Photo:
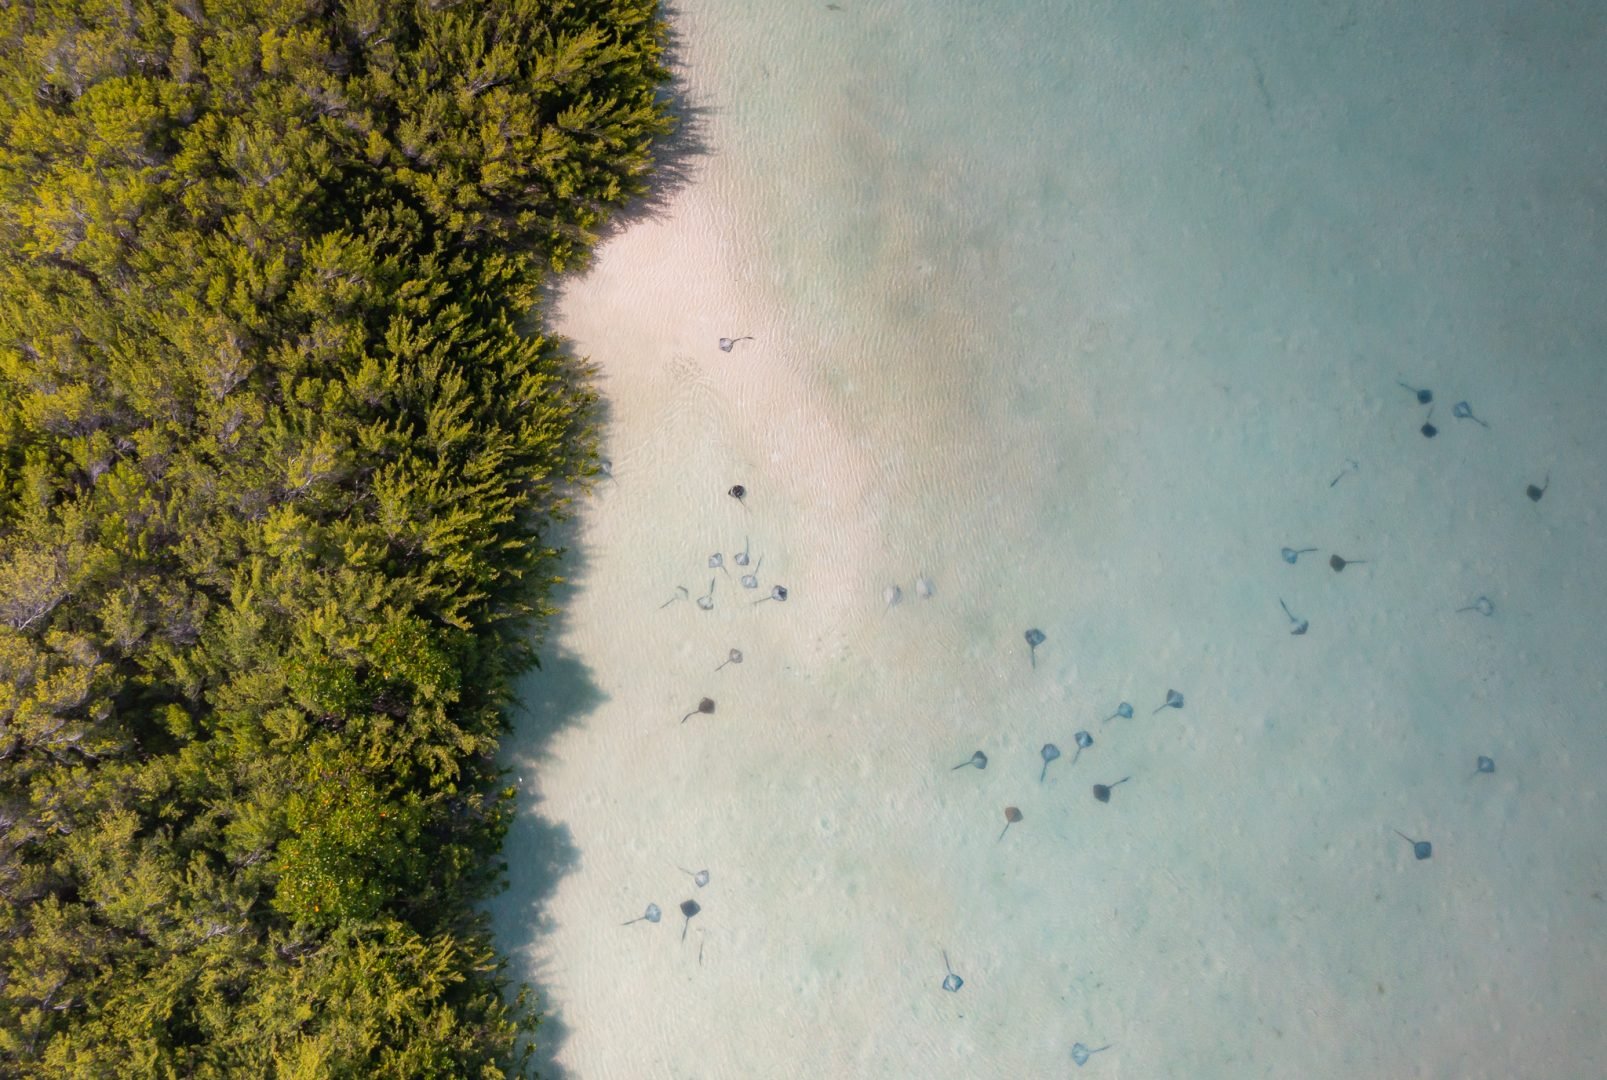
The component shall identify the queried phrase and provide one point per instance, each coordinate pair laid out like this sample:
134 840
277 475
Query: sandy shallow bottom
1097 405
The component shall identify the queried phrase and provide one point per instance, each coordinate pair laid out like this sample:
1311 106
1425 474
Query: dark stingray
1124 710
706 706
732 657
1011 816
1424 397
951 981
652 914
1485 765
738 492
1035 637
1174 700
777 592
1428 429
1482 605
1102 791
1050 751
1422 849
689 908
979 759
1339 564
1534 491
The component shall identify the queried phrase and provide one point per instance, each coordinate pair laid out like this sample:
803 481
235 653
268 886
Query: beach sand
1101 416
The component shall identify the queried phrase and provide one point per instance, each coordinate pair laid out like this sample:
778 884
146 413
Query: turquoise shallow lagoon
1081 312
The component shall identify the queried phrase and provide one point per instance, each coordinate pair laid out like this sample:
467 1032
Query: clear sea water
1083 311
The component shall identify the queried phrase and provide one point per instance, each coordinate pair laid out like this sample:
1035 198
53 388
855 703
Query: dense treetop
275 467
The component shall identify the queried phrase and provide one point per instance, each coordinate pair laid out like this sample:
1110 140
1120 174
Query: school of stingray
1035 638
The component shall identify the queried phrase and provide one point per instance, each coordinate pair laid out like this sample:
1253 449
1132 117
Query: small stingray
1339 564
700 877
1534 492
951 981
706 601
751 581
1463 411
891 596
923 587
1124 710
732 657
1011 816
652 914
1354 465
1428 429
1102 791
1080 1053
729 343
706 706
1050 751
777 592
681 593
1035 637
1083 741
1424 397
1300 625
979 759
738 492
1485 765
1292 555
1482 605
741 557
717 562
689 908
1174 700
1420 848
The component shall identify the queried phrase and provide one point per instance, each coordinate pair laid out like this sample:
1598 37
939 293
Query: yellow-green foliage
275 468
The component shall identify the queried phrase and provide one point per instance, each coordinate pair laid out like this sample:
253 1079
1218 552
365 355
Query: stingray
1428 429
891 596
1174 700
706 707
1482 605
1083 741
741 557
1035 637
1292 555
729 343
681 593
1484 765
1080 1053
738 492
951 981
706 601
777 592
751 581
652 914
606 468
1424 397
1300 626
1339 564
1050 751
1124 710
923 587
1102 791
1422 849
699 877
1535 491
717 562
1011 816
979 759
689 908
732 657
1463 411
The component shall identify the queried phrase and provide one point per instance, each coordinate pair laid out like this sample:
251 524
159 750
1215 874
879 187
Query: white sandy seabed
1086 351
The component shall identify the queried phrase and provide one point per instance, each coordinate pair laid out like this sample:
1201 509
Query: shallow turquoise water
1091 308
